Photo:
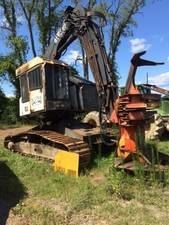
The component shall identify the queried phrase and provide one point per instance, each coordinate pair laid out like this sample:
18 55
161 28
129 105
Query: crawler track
45 144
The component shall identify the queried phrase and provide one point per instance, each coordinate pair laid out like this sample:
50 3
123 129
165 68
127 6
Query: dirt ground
12 131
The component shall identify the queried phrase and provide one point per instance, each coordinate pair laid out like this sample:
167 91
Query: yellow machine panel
67 162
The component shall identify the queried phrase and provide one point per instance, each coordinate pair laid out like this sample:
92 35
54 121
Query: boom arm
78 24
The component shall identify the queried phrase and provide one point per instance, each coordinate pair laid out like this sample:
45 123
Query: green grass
102 195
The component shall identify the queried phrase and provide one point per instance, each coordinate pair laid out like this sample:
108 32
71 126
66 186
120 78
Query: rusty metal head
136 62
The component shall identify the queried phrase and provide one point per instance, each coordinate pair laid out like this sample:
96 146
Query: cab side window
35 81
24 88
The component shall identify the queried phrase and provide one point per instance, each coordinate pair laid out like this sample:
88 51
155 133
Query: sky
151 34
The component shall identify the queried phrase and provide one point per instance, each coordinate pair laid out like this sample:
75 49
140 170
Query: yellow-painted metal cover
67 162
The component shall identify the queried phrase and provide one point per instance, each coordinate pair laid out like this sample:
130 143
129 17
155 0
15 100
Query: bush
9 114
3 102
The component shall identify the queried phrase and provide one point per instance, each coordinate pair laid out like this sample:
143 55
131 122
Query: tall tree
41 18
17 44
28 8
47 16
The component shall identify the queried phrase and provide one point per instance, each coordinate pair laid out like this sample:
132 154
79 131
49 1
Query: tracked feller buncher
51 93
